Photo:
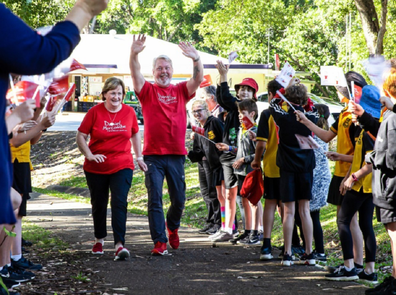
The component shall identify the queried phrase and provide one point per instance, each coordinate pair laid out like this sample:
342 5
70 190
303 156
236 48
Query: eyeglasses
197 111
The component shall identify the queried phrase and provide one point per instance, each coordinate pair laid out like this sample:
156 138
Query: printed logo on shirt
347 122
232 137
114 127
167 99
211 135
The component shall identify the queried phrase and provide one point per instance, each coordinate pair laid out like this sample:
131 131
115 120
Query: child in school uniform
296 169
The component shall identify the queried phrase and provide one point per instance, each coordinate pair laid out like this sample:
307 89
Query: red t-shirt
110 136
165 119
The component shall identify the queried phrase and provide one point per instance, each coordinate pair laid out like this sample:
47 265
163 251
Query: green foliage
40 13
171 20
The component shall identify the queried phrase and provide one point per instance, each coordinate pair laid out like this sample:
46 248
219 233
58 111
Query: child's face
245 113
245 92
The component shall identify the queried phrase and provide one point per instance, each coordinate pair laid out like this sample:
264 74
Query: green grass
42 238
75 181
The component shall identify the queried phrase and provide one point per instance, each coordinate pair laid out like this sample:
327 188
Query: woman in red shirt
112 126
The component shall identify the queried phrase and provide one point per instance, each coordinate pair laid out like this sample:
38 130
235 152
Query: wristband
195 60
139 158
230 148
354 177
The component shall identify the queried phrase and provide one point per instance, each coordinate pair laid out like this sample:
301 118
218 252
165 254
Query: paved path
70 121
195 268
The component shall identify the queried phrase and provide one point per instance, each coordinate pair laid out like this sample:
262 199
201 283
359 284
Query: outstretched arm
134 65
325 135
189 51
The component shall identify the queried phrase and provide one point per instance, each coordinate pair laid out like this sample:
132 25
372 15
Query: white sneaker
121 254
211 237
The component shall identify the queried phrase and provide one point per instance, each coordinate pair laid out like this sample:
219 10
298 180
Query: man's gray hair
211 90
164 57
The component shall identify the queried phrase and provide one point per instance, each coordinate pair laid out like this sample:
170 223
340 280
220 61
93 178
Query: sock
1 268
8 264
229 230
222 212
357 265
347 268
255 232
16 257
261 228
247 231
99 241
267 243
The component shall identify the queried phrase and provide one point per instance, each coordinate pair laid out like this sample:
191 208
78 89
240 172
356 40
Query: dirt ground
197 267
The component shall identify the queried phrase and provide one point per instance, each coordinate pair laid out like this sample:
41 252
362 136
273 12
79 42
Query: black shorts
334 197
230 178
22 183
271 188
295 186
385 216
218 175
241 179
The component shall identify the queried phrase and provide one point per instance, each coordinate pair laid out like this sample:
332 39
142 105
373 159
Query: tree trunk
372 32
382 31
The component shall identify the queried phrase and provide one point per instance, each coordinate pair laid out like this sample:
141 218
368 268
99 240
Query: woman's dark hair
297 94
248 105
324 114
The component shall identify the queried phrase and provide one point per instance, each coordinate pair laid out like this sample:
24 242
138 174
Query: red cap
248 82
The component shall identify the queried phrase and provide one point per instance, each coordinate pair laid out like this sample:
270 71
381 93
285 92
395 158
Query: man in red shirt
164 111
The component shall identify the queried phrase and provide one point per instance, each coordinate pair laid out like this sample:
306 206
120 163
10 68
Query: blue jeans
119 184
160 167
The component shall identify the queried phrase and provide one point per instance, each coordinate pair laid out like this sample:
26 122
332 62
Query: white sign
285 75
332 76
232 56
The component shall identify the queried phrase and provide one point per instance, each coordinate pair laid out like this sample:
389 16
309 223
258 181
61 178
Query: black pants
99 185
317 231
209 193
363 203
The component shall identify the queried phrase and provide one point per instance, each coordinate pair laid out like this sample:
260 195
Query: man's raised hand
189 51
138 44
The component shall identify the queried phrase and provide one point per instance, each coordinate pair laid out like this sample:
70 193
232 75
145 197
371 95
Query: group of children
297 181
14 267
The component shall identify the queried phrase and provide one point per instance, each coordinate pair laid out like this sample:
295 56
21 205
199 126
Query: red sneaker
159 249
97 249
174 241
121 254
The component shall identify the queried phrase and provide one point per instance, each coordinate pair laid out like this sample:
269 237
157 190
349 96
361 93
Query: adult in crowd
164 111
210 172
112 126
209 95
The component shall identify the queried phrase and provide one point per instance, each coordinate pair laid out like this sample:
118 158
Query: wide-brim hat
248 82
370 101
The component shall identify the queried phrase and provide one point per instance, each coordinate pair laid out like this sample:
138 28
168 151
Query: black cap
356 78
